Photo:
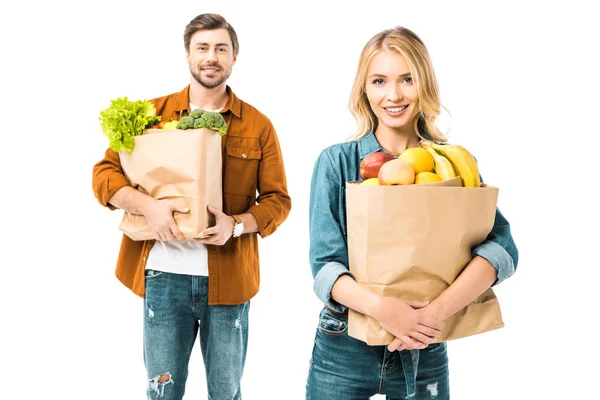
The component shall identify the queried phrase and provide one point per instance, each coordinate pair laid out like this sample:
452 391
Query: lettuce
125 119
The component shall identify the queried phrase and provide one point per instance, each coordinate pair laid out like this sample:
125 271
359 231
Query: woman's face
391 92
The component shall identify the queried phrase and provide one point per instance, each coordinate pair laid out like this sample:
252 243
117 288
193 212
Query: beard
210 83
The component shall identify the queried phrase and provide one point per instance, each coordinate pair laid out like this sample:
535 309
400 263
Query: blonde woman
395 101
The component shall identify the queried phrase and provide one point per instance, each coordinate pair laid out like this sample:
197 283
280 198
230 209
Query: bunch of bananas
452 160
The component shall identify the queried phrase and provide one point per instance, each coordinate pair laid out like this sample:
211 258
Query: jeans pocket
332 324
152 274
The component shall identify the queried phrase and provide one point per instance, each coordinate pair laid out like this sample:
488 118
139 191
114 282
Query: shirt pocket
242 159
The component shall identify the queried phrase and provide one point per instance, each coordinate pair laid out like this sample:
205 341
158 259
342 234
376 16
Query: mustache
209 64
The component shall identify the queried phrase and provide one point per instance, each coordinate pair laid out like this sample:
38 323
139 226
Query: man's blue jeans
344 368
175 307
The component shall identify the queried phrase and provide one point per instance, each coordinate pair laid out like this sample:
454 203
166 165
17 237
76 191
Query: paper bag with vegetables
181 161
412 240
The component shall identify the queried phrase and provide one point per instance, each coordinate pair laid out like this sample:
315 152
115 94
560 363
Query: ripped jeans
344 368
175 308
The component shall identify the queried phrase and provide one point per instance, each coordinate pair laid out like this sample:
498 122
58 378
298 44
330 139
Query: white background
520 79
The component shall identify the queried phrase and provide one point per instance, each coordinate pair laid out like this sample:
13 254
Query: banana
443 167
463 162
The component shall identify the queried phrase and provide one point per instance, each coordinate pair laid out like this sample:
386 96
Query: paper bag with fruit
412 223
182 159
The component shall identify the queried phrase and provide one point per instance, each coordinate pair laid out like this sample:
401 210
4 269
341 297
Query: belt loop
410 365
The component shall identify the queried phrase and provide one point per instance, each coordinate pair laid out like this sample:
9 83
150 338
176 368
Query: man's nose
212 55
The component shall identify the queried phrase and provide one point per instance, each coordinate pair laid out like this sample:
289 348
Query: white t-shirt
188 258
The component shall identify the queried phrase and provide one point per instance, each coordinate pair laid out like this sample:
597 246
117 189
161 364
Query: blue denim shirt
339 164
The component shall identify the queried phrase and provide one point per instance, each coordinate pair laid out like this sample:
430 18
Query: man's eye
222 49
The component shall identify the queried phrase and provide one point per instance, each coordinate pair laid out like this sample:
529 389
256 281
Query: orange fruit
420 159
427 177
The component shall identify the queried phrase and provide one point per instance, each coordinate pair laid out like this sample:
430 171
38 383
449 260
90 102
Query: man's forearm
131 200
476 278
250 223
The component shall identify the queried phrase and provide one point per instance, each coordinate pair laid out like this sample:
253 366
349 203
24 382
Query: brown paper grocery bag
412 242
175 164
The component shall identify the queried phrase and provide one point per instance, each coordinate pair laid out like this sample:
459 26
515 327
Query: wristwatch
238 226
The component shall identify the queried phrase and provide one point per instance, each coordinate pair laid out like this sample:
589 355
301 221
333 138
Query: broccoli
210 117
199 123
185 123
197 113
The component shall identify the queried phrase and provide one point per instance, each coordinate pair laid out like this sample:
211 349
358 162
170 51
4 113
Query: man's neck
208 99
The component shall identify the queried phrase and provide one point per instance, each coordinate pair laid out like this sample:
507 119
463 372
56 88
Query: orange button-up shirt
252 163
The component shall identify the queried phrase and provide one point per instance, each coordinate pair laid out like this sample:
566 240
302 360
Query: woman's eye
407 80
378 81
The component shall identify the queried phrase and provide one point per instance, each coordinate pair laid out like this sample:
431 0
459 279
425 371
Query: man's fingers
213 210
181 209
208 232
177 233
168 235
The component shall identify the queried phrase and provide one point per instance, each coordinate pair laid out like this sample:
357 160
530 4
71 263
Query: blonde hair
410 46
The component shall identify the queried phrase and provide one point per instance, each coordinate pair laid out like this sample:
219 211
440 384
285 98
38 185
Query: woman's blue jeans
344 368
175 308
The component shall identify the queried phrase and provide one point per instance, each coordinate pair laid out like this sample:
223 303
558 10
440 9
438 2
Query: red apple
370 165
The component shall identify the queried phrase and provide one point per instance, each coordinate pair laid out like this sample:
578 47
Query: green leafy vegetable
125 119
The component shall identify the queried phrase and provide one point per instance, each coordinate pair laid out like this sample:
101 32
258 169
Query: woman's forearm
351 294
476 278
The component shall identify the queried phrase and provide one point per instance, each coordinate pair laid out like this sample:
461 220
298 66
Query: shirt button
244 155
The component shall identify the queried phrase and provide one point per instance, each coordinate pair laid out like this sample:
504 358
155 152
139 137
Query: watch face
239 229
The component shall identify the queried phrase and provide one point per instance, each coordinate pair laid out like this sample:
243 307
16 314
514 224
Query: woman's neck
395 142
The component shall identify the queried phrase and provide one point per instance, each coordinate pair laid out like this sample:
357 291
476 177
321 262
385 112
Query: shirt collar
368 144
182 102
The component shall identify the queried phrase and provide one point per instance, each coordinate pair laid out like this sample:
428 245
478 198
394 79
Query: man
203 285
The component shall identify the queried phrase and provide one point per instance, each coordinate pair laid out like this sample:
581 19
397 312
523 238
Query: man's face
211 57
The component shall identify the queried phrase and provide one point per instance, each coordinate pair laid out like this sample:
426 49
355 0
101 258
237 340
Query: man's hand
219 234
404 320
159 215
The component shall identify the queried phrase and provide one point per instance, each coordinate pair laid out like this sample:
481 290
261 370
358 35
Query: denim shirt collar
368 144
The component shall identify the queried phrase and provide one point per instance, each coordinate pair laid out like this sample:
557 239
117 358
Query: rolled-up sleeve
274 202
499 249
108 178
328 252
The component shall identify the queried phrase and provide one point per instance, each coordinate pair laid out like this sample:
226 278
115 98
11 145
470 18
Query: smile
395 109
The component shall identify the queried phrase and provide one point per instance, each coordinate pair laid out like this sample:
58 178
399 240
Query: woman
395 101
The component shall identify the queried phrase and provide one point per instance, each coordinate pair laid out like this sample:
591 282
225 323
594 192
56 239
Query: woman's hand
401 344
406 320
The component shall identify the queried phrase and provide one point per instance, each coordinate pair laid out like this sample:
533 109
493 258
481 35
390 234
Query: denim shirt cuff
498 257
324 281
